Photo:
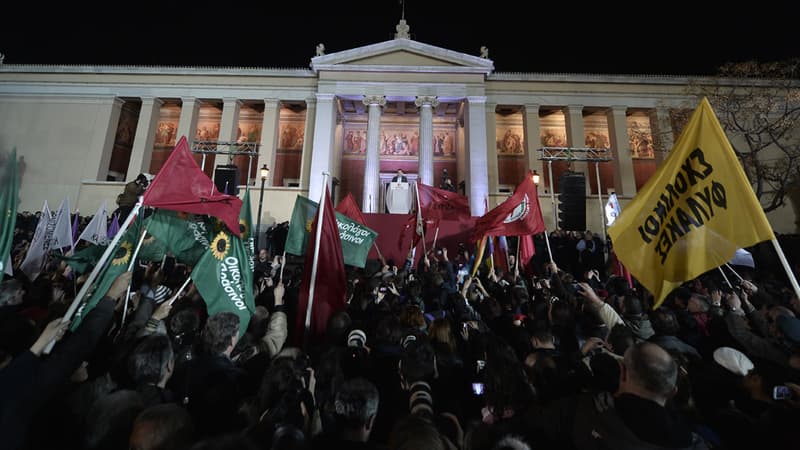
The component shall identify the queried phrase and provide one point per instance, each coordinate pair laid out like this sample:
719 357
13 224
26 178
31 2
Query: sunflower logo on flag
123 254
244 230
219 246
309 222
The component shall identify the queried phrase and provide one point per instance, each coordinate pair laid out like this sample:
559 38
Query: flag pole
547 240
602 208
130 269
313 282
516 258
183 286
734 272
380 256
786 267
93 275
283 264
419 216
725 277
435 236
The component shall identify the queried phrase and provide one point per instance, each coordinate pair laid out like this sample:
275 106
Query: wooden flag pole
380 256
96 271
786 267
435 236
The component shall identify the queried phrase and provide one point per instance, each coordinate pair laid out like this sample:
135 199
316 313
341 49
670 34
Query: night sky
643 38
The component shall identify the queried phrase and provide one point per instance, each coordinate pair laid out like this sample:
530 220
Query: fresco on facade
640 136
595 131
398 141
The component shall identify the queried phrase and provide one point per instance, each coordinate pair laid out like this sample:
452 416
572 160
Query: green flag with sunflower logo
186 236
9 180
300 226
118 264
224 279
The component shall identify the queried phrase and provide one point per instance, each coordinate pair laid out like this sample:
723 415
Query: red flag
441 204
517 216
349 208
526 251
181 186
329 285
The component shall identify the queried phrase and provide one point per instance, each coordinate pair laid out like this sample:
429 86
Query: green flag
186 236
246 229
224 280
9 184
356 238
84 259
153 249
119 264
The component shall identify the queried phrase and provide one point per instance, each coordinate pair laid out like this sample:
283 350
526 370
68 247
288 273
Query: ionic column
142 150
372 164
324 127
308 143
662 129
491 148
269 137
426 105
624 180
573 115
229 123
103 139
477 177
187 124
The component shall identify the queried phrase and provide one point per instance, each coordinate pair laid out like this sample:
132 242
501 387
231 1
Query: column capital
311 101
378 100
189 99
570 109
617 109
152 100
272 103
426 100
231 100
532 107
476 99
325 97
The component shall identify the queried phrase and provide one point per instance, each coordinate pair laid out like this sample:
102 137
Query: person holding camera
129 197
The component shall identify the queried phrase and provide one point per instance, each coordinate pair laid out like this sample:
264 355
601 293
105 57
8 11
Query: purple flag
114 227
75 228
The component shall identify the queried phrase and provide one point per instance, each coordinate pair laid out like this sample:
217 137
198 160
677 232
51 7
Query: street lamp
535 177
264 176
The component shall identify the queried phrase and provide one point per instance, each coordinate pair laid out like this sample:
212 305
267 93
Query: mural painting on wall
595 128
249 130
640 136
553 130
510 140
166 133
126 128
400 142
207 130
292 136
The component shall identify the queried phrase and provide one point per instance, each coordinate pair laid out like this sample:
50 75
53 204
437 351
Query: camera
478 388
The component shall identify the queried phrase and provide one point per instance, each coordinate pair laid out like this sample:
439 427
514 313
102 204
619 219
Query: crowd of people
543 355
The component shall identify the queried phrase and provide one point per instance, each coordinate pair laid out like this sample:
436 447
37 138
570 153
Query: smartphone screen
781 393
477 388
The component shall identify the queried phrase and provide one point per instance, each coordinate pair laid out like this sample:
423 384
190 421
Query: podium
398 198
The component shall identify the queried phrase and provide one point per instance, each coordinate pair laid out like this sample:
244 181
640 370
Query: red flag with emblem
519 215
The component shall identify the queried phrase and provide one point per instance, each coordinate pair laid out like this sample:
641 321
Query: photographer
129 197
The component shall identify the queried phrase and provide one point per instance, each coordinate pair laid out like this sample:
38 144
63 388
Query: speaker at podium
226 179
398 197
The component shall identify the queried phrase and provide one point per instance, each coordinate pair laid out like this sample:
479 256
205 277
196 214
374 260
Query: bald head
650 372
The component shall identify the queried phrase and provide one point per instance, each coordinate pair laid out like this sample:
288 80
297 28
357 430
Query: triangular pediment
402 55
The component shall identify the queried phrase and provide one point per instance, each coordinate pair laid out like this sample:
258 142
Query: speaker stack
572 201
226 179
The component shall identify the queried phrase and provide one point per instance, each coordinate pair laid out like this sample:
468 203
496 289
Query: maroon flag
441 204
526 252
181 186
349 208
328 279
517 216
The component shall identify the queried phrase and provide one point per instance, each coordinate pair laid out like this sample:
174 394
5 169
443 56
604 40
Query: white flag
97 230
612 209
37 251
62 233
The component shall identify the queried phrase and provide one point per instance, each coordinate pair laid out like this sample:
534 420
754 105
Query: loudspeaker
226 178
572 201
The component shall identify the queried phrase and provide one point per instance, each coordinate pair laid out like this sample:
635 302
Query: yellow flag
693 214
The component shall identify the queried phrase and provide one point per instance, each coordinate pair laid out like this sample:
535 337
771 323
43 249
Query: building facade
359 115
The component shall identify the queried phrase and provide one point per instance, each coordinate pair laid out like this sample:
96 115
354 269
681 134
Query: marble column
229 124
662 132
102 146
426 105
322 154
269 138
372 163
477 177
142 150
533 140
491 151
305 164
187 124
573 115
624 180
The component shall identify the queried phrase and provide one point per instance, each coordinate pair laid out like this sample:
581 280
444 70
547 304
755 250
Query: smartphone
382 289
477 388
781 393
169 265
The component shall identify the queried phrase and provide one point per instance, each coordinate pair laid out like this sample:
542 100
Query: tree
758 105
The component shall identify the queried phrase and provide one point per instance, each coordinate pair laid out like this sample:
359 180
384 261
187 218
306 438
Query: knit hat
733 360
356 338
789 326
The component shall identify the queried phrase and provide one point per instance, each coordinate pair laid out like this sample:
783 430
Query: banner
693 214
40 245
96 231
356 238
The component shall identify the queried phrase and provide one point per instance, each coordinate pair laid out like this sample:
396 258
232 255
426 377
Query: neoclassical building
358 114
